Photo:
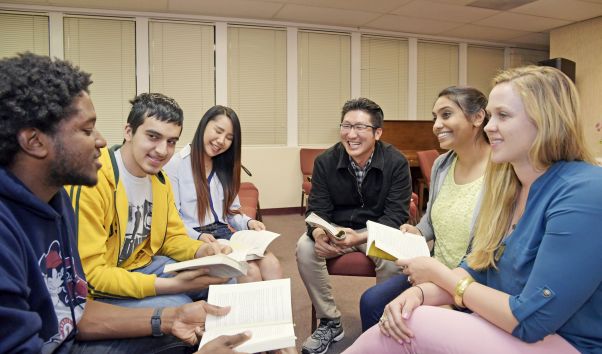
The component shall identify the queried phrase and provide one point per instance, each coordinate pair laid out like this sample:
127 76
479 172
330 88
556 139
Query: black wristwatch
156 322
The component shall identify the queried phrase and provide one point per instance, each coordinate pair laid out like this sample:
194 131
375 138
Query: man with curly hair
48 139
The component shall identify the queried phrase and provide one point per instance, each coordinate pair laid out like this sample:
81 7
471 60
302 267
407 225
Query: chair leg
314 320
258 216
421 198
302 200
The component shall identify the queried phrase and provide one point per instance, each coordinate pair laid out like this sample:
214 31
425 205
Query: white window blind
483 64
257 83
182 66
437 69
21 33
522 57
106 49
324 75
385 74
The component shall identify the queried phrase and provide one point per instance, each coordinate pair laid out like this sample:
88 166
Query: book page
401 245
262 338
255 241
252 304
316 221
219 265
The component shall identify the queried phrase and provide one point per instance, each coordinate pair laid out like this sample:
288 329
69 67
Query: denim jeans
169 300
217 229
374 300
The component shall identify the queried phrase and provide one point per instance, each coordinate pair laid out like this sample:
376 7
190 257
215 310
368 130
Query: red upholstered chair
414 215
306 158
249 200
426 159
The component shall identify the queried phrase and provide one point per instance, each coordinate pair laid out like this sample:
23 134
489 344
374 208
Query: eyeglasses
359 128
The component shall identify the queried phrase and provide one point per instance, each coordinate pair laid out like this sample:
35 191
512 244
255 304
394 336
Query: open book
392 244
315 221
263 308
219 265
249 244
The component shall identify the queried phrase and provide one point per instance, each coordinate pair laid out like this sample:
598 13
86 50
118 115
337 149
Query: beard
71 167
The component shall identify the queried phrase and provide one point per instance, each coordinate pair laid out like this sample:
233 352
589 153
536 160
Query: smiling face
452 127
510 130
77 146
218 136
150 148
359 145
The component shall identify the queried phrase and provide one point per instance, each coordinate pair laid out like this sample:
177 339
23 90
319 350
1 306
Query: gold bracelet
461 287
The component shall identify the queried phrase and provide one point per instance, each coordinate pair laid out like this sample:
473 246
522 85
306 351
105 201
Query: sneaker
329 331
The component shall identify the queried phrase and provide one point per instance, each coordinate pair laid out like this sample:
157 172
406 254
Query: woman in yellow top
457 176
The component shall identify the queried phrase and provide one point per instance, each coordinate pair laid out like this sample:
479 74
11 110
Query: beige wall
276 173
582 43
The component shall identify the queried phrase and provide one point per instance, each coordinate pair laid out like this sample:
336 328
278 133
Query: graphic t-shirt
140 195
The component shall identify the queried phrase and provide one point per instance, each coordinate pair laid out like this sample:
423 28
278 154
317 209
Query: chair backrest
307 157
426 159
248 196
413 219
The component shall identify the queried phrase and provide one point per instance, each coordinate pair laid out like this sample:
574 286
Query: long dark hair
226 165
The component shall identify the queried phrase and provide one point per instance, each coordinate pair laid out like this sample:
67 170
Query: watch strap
156 322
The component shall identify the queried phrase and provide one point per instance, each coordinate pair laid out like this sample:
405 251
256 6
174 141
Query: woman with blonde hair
532 277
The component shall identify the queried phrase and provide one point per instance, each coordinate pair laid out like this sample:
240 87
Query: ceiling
527 22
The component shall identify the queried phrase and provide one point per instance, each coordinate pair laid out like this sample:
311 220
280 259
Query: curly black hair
35 92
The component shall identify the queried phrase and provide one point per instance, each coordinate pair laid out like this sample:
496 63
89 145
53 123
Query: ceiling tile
411 25
443 11
226 8
318 15
484 33
542 39
522 22
563 9
381 6
126 5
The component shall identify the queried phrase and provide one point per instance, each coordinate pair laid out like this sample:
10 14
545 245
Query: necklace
516 216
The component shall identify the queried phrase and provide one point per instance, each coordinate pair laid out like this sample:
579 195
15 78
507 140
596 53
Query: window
106 49
522 57
182 66
482 66
385 74
257 83
437 69
324 74
21 33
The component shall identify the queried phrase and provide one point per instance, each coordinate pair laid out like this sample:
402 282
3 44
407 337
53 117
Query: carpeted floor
347 290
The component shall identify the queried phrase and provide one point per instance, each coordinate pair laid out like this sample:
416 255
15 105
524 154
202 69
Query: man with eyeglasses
358 179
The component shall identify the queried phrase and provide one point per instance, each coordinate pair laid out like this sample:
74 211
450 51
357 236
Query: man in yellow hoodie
128 226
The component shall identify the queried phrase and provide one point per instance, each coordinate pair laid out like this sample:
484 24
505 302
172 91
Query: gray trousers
315 275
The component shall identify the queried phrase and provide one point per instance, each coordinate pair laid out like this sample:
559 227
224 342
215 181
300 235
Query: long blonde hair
551 102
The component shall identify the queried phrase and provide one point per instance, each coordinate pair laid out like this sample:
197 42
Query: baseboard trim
282 211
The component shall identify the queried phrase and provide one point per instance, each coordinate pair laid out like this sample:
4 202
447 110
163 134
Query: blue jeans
144 345
374 300
171 300
217 229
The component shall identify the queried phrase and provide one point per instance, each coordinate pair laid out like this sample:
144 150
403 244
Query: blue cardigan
552 266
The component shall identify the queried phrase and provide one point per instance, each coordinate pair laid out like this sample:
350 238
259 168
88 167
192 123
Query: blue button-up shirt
552 262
